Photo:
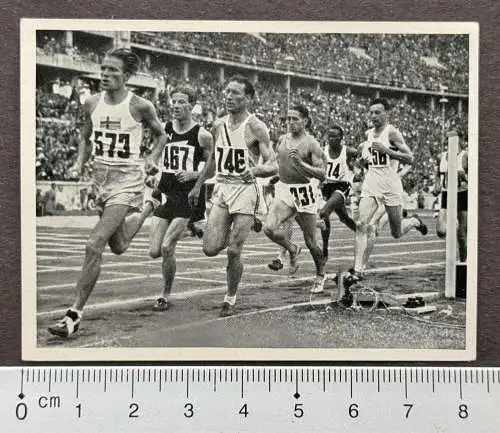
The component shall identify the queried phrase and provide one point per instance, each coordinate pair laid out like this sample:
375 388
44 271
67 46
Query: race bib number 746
231 160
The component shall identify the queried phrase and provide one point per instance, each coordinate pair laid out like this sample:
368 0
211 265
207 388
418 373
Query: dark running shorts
462 200
329 188
177 206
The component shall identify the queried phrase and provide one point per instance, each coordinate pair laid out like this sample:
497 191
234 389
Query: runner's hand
379 147
186 176
248 175
150 181
293 155
150 167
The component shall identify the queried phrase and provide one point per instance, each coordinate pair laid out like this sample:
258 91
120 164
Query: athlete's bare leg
239 233
336 202
344 217
157 232
325 236
217 230
174 234
120 240
286 226
399 225
441 223
307 223
278 213
367 208
112 217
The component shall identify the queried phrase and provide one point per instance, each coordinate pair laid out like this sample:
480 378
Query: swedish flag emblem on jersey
110 122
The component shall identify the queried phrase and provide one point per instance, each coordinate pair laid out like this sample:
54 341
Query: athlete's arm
352 152
207 141
403 169
150 119
84 144
268 167
403 154
317 168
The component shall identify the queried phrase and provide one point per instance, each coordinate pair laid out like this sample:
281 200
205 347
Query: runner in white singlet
113 131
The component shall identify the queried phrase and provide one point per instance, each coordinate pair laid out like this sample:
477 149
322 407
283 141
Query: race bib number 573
231 160
112 144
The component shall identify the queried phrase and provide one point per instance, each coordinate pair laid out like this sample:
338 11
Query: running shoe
422 228
275 265
318 284
226 310
67 326
161 304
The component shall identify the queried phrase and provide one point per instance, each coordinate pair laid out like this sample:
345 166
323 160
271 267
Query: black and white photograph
240 191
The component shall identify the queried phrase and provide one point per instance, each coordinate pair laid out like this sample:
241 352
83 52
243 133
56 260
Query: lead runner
113 127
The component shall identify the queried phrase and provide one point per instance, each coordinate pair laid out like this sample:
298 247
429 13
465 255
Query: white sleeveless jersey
232 156
337 169
116 135
380 162
443 169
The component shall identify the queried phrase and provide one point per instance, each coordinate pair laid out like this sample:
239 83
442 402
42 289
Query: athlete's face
377 114
113 76
296 123
236 100
181 106
334 138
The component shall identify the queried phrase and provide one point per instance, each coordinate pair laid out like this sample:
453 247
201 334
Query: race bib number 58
378 159
231 160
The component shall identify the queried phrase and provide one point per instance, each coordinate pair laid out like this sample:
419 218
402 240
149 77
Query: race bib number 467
178 156
231 160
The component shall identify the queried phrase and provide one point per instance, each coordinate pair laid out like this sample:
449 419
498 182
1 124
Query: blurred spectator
49 200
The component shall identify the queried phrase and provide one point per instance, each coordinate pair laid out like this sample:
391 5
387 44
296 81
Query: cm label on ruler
250 399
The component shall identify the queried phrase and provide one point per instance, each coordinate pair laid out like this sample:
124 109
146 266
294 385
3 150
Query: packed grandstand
425 78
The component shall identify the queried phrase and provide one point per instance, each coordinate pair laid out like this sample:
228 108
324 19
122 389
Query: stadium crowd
407 61
59 102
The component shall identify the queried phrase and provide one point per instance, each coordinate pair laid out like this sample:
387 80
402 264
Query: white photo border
30 350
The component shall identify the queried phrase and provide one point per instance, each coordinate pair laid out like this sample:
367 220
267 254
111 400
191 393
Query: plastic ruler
249 399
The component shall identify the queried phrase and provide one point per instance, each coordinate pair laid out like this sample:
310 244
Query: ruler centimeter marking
456 390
